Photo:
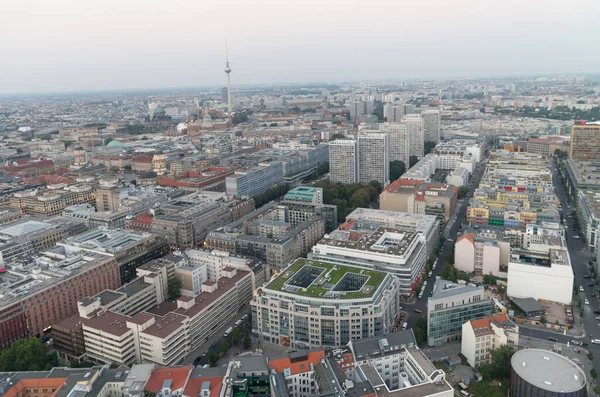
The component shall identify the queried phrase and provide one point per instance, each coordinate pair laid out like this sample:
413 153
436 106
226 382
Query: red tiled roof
178 376
142 159
468 236
194 385
297 367
25 384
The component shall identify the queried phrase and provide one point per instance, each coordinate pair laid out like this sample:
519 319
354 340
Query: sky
86 45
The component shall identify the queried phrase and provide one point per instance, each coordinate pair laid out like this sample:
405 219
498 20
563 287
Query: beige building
107 198
414 197
485 253
585 142
52 201
480 337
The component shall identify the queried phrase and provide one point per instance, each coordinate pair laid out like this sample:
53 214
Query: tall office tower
373 158
224 95
414 126
585 142
431 125
393 112
398 141
343 161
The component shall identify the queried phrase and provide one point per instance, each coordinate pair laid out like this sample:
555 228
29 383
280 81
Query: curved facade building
542 373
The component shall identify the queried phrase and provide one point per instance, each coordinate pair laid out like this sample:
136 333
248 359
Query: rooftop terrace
321 279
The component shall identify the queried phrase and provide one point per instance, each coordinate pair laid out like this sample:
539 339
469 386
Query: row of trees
349 197
558 113
27 355
271 194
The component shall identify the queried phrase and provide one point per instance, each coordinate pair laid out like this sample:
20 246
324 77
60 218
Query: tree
501 361
108 140
428 146
448 273
593 373
247 342
224 346
174 288
412 160
543 320
560 154
376 185
590 356
337 135
419 288
212 358
45 137
235 336
397 168
420 331
489 279
26 355
462 192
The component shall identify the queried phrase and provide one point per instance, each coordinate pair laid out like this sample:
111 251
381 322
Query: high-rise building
398 140
224 95
393 112
431 125
585 142
373 158
414 126
343 161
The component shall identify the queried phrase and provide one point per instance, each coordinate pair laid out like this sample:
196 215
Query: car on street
577 343
590 284
581 288
596 311
593 295
587 275
587 302
552 338
595 341
418 311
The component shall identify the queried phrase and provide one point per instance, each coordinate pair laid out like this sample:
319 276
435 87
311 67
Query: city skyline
74 47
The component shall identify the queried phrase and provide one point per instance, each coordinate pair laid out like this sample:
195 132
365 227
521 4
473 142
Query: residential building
109 220
393 112
79 211
394 366
248 376
300 372
480 337
483 251
317 303
416 137
399 142
343 161
413 196
585 142
52 202
431 125
303 202
450 306
373 158
459 177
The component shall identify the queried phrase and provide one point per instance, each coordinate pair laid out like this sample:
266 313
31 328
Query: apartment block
483 251
399 141
254 181
373 158
431 125
318 303
585 142
416 134
413 196
343 161
480 337
450 306
303 202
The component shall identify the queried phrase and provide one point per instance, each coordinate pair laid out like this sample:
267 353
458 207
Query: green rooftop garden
318 287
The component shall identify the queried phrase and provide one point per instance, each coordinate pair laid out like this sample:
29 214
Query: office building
304 202
317 303
52 202
480 337
59 278
394 366
395 251
543 271
254 181
541 372
186 221
393 112
373 158
585 142
450 306
343 161
431 125
129 250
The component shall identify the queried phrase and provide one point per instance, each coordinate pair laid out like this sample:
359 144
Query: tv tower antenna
228 71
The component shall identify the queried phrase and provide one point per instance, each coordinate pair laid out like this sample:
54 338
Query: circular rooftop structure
544 370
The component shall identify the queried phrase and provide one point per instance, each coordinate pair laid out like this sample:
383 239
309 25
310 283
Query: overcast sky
67 45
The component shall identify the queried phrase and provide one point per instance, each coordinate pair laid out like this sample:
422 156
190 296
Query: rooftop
321 279
548 370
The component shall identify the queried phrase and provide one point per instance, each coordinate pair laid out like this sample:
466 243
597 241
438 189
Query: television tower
228 71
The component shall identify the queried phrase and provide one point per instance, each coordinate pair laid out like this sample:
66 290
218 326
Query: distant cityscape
415 238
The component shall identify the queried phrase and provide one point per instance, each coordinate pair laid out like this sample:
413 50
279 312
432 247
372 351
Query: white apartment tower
394 112
431 125
343 161
414 125
398 141
373 154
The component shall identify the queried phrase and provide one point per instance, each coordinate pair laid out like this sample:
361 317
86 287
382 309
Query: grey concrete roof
445 289
528 304
395 341
548 370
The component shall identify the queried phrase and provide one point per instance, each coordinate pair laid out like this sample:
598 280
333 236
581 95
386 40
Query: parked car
590 284
552 338
596 311
576 342
587 275
587 302
418 311
595 341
